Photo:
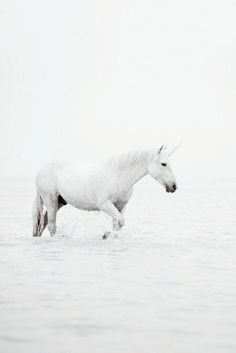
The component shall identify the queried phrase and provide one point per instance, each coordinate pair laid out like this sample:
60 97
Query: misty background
85 79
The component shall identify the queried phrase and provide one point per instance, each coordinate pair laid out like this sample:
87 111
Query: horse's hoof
106 235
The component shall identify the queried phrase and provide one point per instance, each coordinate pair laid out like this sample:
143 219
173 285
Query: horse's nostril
174 186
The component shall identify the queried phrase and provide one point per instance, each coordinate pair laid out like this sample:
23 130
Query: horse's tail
40 218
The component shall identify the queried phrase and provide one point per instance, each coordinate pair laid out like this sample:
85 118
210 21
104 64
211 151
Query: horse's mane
127 161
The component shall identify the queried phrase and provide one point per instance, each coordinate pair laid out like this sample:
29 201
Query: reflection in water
166 283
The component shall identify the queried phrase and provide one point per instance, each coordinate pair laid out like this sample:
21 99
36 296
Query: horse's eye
163 164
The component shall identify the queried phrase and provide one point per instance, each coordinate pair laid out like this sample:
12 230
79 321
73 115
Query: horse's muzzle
171 188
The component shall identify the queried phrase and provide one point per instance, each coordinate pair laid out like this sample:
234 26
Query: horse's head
159 169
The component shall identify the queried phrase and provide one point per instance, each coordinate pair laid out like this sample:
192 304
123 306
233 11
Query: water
167 283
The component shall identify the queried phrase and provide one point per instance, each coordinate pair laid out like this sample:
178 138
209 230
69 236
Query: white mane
126 161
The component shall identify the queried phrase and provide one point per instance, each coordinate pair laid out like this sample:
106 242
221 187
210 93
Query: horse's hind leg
43 224
51 203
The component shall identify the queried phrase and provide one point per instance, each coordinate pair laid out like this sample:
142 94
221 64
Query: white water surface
166 284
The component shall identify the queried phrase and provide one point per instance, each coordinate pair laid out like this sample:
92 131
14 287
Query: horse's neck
134 175
130 167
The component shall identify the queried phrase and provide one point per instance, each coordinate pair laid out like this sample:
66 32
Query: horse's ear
162 148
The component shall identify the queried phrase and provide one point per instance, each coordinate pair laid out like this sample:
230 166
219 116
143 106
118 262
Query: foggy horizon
92 79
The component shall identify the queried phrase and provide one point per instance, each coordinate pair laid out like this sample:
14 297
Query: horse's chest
120 200
120 203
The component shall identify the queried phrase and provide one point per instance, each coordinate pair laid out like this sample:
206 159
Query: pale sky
85 79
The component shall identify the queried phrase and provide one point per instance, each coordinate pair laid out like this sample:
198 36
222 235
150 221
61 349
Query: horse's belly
78 201
77 194
85 206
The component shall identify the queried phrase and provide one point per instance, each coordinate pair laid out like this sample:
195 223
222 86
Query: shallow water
167 283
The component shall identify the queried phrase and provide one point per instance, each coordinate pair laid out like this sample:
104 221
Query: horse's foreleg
117 225
112 211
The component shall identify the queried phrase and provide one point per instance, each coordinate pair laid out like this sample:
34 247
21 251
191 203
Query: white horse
105 186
